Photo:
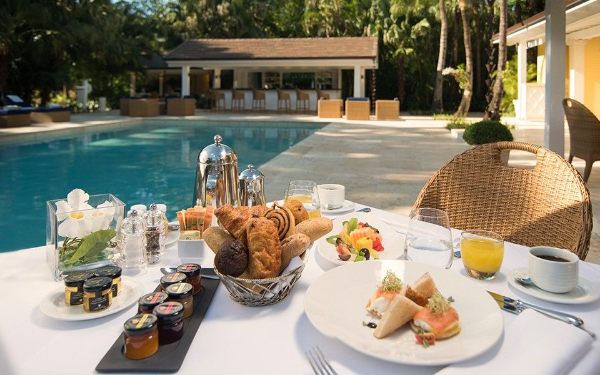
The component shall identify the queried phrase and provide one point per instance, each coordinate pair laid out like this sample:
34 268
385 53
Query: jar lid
251 174
217 153
180 290
140 324
151 300
189 269
173 278
169 311
77 278
109 271
97 284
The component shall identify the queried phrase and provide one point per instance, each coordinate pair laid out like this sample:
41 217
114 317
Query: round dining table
232 338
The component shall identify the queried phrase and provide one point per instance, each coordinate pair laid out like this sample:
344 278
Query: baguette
315 228
293 246
215 237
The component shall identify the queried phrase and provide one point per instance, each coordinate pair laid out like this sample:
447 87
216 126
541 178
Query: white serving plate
335 305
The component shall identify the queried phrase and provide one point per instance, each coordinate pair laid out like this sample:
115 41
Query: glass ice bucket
82 236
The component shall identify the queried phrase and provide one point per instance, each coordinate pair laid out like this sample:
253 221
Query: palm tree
437 105
465 102
493 110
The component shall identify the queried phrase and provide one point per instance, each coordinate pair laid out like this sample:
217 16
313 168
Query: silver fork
319 362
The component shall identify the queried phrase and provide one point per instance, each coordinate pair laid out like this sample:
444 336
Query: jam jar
140 334
97 294
172 278
74 287
192 271
182 293
114 273
149 301
170 322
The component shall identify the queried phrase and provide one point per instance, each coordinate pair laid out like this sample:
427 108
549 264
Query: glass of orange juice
305 192
482 253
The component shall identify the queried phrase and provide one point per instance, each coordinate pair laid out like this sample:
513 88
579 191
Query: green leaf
92 244
332 239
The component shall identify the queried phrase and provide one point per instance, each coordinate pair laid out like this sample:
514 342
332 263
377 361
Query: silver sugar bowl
251 187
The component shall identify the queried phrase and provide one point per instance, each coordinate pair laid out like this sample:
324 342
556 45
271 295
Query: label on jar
76 298
99 303
115 290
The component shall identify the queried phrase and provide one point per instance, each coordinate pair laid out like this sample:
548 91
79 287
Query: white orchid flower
75 214
102 216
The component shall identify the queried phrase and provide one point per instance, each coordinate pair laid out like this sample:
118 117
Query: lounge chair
584 131
387 109
143 107
358 109
330 108
13 117
40 114
185 106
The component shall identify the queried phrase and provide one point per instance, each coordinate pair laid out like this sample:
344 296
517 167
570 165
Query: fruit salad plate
335 305
392 243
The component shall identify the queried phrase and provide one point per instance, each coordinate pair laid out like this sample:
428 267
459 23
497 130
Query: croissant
234 220
297 209
264 249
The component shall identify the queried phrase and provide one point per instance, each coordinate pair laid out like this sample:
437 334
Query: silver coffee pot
251 187
216 176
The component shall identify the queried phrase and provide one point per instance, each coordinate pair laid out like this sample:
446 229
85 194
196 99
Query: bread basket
263 292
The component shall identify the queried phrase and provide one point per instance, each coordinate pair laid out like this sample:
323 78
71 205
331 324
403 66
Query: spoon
525 281
365 209
170 270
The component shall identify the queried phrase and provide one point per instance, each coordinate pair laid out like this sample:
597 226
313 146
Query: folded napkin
532 344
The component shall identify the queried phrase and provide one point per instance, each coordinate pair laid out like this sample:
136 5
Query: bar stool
259 100
218 100
322 95
285 98
302 101
238 100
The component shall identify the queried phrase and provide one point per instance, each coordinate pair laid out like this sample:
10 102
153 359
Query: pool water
148 163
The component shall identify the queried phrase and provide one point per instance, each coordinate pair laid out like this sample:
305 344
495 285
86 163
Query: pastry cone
401 311
425 286
234 220
298 210
264 249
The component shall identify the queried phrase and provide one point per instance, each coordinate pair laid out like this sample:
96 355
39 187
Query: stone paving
382 163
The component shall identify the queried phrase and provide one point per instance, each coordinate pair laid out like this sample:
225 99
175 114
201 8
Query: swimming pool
149 162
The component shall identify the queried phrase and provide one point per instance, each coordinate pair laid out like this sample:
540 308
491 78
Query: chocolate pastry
298 210
264 249
232 258
283 219
234 220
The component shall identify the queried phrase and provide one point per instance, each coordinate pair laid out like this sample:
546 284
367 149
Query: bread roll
293 246
297 209
315 228
264 249
215 236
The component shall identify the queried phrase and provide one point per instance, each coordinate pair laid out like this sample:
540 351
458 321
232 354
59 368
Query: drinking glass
305 192
429 239
482 252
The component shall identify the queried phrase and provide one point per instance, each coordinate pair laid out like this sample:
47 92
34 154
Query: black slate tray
168 358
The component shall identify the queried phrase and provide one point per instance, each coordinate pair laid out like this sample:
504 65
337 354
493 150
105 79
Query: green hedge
487 132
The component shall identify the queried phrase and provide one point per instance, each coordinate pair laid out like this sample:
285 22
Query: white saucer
347 206
584 292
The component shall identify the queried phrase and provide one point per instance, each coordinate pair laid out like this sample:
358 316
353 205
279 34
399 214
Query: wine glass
305 192
429 239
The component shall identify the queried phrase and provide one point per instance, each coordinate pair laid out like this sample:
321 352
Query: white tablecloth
233 339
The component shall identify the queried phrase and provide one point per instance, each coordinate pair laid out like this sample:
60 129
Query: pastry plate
53 304
335 305
347 206
584 292
392 244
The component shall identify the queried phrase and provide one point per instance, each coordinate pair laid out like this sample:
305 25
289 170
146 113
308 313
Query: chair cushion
352 99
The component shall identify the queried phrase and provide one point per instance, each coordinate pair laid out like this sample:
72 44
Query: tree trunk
437 105
493 110
478 86
465 103
455 37
401 78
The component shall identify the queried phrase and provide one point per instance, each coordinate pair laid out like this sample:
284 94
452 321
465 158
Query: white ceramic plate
335 305
54 305
347 206
392 244
584 292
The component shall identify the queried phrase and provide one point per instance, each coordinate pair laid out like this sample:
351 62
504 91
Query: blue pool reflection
146 163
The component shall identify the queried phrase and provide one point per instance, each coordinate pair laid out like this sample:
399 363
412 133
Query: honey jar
172 278
149 301
74 287
140 334
192 272
114 273
170 322
97 294
182 293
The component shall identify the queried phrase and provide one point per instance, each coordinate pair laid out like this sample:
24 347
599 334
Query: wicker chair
259 100
217 100
584 130
238 100
547 205
283 100
322 95
302 101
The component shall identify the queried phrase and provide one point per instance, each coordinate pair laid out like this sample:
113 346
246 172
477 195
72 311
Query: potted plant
488 131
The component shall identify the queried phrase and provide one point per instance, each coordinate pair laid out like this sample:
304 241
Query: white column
554 130
185 80
362 81
576 68
161 83
339 82
357 82
132 84
522 81
217 78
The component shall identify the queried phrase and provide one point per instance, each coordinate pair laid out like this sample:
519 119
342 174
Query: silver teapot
251 187
216 176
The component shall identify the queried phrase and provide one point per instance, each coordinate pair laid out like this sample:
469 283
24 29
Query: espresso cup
332 196
553 270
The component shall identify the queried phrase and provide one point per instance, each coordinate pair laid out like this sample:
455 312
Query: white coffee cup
332 196
553 270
